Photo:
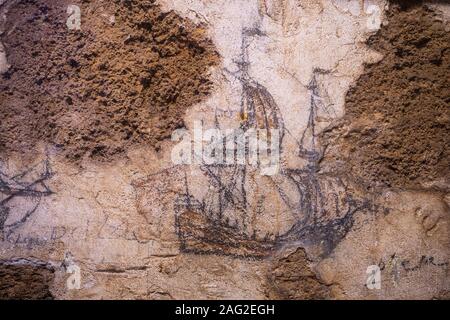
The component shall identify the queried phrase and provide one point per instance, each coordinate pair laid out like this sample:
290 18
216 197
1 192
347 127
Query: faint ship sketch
225 221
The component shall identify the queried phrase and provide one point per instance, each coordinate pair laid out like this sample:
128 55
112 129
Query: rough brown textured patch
25 281
291 278
116 83
201 235
397 122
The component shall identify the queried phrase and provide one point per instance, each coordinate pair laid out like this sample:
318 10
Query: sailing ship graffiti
228 219
241 213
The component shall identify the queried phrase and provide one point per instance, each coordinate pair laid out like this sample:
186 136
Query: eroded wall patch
25 281
125 78
291 277
397 120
